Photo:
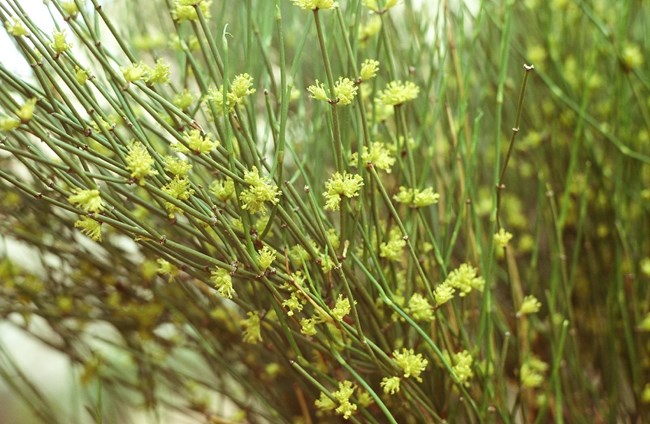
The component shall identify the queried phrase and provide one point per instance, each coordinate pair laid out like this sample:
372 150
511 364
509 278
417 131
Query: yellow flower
139 161
87 200
502 238
369 69
315 4
379 6
339 185
90 227
16 28
260 190
411 364
59 45
530 305
223 282
252 329
390 385
398 92
345 90
185 10
26 111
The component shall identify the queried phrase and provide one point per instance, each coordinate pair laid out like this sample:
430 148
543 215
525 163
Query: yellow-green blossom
390 385
317 91
135 72
90 227
341 403
241 87
379 155
16 27
379 6
369 69
252 328
392 250
341 308
167 268
159 74
185 10
184 99
420 308
416 198
9 124
222 280
308 326
645 395
70 9
260 190
81 75
340 185
345 89
26 111
631 57
139 161
443 293
177 166
223 190
315 4
462 367
529 305
464 279
293 304
87 200
411 364
200 143
502 238
265 258
59 45
532 372
398 92
178 188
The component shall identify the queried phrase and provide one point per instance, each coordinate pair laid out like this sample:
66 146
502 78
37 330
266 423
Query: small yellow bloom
252 328
390 385
411 364
135 72
139 161
90 227
159 74
223 282
345 90
398 92
340 185
379 6
26 111
530 305
16 28
502 238
59 45
369 69
185 10
87 200
315 4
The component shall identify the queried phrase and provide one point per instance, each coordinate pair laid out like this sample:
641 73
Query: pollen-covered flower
139 161
59 45
241 87
159 74
223 189
369 69
411 364
9 124
223 282
135 72
26 111
167 268
530 305
16 27
293 304
398 92
416 198
390 385
315 4
502 238
185 10
87 200
317 91
345 89
340 185
462 367
341 403
90 227
420 308
184 99
308 326
379 6
443 293
81 75
392 250
199 143
260 190
70 9
378 154
177 166
532 372
265 257
341 308
179 188
464 279
252 328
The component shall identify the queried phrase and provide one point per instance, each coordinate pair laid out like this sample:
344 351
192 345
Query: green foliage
453 225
